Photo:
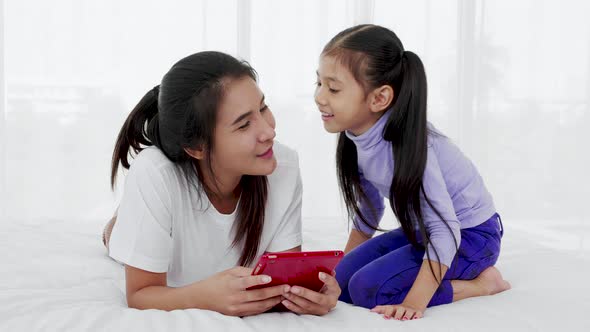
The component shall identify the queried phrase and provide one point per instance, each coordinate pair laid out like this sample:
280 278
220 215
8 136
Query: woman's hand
304 301
225 292
398 312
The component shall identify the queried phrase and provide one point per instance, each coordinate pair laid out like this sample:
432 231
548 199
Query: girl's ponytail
406 129
139 131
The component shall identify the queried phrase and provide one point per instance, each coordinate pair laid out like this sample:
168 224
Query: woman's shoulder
151 157
152 162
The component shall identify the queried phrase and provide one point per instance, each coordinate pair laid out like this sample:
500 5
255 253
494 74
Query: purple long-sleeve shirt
451 182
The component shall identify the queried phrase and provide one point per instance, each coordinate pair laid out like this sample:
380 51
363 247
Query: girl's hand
225 292
398 312
301 300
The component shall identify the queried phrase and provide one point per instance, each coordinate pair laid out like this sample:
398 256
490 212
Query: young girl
373 93
212 191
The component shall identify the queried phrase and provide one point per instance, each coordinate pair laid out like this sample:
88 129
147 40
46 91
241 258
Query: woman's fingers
242 283
327 296
263 293
256 307
331 286
293 307
303 306
309 295
240 271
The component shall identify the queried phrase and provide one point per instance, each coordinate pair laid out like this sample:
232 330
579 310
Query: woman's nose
268 130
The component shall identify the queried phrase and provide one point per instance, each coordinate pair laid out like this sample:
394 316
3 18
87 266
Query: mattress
56 276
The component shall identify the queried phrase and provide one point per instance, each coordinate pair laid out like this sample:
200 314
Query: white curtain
509 81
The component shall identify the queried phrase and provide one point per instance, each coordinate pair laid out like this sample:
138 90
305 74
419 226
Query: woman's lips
266 155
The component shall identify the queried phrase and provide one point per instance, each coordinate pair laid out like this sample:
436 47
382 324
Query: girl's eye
318 84
245 125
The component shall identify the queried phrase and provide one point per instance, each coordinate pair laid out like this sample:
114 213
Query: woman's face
244 132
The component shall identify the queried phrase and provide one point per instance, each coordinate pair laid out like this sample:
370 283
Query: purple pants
383 269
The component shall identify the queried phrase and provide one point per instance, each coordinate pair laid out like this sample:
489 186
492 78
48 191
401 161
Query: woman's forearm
168 298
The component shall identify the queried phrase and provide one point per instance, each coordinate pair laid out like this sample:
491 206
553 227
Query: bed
56 277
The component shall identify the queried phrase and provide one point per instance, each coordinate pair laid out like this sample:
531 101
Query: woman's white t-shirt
162 226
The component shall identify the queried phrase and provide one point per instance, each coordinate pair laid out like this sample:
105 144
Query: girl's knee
362 291
347 267
368 289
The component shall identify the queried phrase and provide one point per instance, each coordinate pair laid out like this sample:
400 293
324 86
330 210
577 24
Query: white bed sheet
56 277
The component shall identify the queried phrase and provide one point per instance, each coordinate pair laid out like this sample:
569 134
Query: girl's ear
197 153
381 98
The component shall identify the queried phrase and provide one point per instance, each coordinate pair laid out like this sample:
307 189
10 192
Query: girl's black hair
375 56
180 114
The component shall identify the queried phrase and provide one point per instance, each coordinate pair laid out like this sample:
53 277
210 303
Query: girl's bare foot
489 282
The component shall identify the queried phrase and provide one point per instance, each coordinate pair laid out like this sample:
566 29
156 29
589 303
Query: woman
210 194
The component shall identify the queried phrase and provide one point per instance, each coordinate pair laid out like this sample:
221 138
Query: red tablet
297 268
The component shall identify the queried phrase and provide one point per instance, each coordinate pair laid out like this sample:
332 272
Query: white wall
508 80
2 119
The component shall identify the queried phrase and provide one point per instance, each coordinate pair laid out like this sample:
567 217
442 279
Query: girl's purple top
451 182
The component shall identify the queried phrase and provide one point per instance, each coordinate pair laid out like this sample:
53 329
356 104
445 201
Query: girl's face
244 133
341 99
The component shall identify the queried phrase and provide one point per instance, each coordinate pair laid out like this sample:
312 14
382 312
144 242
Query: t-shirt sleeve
372 212
289 231
141 236
441 236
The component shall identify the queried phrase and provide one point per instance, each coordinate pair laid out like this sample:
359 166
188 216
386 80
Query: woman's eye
264 108
333 91
245 125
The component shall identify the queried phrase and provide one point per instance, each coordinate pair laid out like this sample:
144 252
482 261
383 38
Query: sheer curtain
509 81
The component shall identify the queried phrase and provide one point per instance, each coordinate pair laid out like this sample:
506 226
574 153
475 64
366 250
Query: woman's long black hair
375 56
180 114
